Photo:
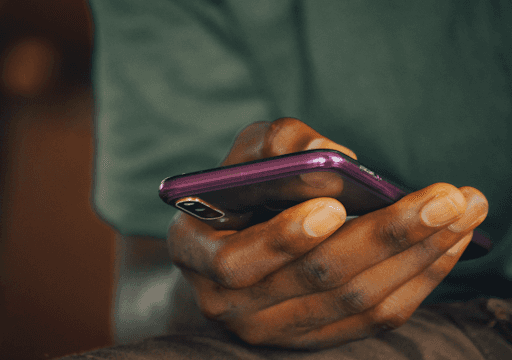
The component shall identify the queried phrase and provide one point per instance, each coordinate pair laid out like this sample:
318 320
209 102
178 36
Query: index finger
240 259
265 139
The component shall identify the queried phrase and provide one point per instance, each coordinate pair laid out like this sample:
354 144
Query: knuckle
179 257
395 234
253 335
427 251
171 246
274 144
387 318
351 302
251 133
211 308
391 322
173 233
377 328
255 126
281 243
247 144
224 273
316 274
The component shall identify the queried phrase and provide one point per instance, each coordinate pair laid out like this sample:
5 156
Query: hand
302 280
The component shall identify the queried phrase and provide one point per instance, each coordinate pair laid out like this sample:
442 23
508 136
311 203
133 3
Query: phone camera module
199 209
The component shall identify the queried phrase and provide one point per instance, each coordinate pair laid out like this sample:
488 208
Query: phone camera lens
199 209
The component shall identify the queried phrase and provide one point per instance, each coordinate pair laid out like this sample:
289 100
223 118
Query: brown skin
276 284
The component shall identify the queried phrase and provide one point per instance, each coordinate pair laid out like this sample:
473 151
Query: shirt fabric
421 91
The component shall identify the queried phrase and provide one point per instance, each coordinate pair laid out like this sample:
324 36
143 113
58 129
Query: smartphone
238 196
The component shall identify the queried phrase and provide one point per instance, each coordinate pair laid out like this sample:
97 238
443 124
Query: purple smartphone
237 196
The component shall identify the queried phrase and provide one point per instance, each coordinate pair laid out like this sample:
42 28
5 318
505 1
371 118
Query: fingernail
323 220
460 246
476 211
442 209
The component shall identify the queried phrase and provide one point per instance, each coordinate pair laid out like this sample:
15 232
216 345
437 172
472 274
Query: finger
368 288
288 135
342 260
239 259
363 292
316 326
393 311
282 136
371 287
248 144
301 314
364 242
374 237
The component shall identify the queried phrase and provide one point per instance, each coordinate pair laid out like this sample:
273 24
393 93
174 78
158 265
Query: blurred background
56 254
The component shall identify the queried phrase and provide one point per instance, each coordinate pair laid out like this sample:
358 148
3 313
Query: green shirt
420 90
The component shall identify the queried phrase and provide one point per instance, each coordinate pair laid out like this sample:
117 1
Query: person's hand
302 280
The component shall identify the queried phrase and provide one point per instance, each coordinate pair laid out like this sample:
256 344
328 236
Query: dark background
56 255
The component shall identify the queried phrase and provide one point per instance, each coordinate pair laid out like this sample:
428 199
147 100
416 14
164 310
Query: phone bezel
255 171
